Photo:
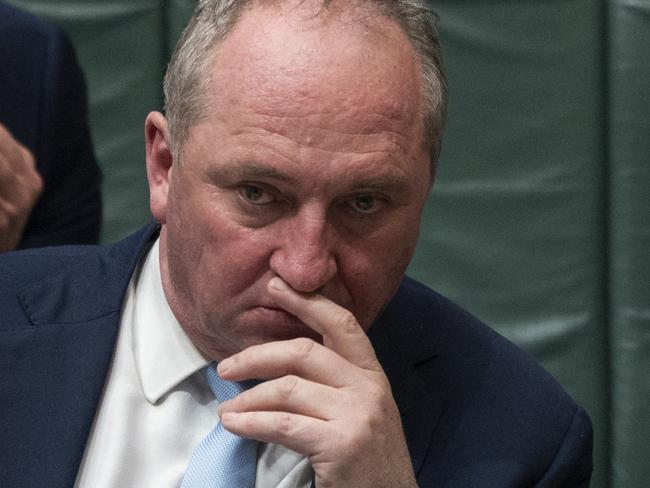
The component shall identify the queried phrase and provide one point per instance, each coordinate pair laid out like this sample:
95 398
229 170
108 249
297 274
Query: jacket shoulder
14 19
67 284
504 414
464 342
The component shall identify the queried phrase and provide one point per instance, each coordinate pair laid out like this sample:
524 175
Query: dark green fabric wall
629 239
515 227
539 221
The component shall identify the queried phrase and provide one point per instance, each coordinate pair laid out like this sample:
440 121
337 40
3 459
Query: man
288 179
49 179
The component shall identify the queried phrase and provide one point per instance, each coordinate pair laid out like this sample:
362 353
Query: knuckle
285 424
379 407
28 157
11 213
383 398
37 185
370 423
303 347
377 393
287 386
346 322
375 420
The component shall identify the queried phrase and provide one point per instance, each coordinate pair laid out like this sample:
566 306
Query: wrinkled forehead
298 58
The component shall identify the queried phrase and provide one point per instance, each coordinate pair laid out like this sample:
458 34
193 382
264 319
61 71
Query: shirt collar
164 355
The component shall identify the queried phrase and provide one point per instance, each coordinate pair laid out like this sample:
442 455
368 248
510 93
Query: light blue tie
222 459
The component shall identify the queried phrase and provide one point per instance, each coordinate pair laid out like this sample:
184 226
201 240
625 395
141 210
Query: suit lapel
64 358
405 348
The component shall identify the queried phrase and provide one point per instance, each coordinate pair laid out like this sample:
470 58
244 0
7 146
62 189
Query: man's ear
159 164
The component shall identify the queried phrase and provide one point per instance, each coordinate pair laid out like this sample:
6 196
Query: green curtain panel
629 233
514 230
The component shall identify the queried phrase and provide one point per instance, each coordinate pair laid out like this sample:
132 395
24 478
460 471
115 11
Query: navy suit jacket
477 411
43 104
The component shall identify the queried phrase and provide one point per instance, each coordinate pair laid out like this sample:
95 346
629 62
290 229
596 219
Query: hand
329 402
20 188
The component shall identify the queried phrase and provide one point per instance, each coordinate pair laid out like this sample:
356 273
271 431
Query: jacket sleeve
70 208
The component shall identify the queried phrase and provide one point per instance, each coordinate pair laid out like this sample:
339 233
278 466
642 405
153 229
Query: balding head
189 72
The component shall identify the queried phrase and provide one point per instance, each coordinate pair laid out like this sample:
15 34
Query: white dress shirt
156 405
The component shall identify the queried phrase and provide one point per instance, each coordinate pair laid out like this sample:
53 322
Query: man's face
309 166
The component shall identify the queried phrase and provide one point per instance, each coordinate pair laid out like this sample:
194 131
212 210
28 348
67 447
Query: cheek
210 255
234 258
389 251
372 270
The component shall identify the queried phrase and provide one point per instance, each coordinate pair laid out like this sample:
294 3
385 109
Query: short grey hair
187 79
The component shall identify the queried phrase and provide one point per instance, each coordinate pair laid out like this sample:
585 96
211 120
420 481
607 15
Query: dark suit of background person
43 104
477 411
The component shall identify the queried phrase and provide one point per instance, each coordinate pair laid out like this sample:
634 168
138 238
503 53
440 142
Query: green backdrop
539 221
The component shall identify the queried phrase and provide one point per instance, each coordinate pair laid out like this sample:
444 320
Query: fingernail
228 417
278 284
220 409
223 366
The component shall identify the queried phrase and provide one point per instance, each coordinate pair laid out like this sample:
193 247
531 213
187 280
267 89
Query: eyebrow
252 170
384 183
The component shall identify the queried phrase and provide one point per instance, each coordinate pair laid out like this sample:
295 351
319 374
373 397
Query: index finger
340 330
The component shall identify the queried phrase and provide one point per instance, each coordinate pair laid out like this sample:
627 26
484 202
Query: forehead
298 60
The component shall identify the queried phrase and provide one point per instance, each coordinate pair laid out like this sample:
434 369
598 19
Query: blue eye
256 195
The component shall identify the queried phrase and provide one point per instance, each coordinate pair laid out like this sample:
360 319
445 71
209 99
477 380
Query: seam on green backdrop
606 240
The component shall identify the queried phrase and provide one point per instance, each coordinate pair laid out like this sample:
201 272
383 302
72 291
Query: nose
304 258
